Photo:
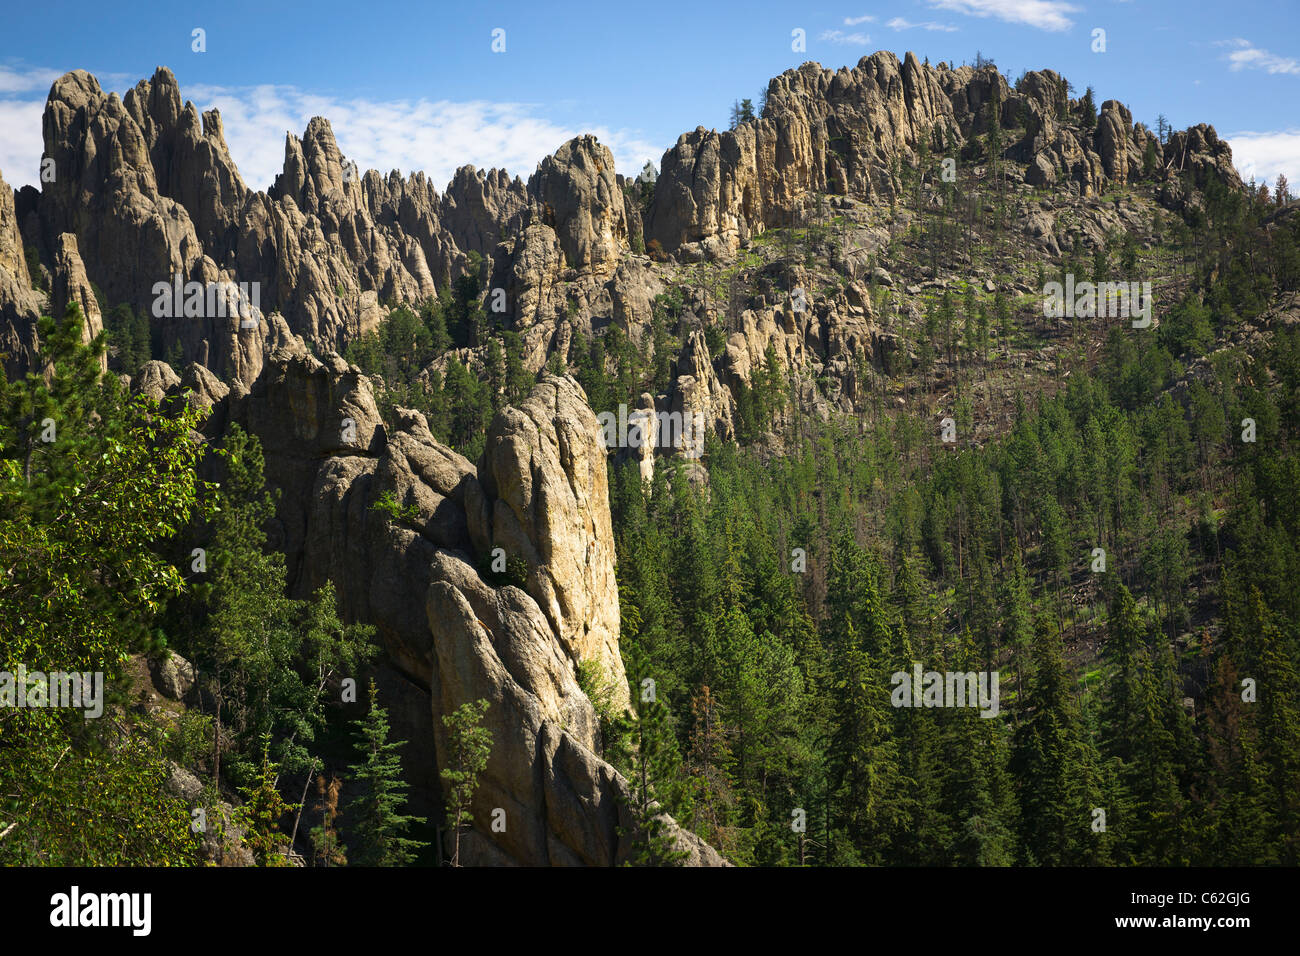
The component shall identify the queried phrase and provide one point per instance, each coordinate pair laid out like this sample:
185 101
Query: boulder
172 675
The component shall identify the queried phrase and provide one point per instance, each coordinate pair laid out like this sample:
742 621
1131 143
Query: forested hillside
371 580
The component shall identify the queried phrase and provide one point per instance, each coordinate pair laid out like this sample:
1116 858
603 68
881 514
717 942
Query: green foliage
39 280
381 830
262 813
190 741
128 337
469 745
455 402
390 506
599 689
469 409
1088 110
979 559
266 662
742 111
93 801
80 516
756 404
648 750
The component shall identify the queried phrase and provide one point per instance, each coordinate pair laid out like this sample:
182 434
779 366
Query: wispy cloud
26 80
839 36
898 23
434 136
22 100
854 21
1245 55
1264 155
20 141
1043 14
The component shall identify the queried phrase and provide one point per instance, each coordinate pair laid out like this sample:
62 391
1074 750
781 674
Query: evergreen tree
469 746
1051 762
1088 109
652 761
262 813
380 829
265 660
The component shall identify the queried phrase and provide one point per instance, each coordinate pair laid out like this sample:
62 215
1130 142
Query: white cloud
1264 155
20 121
26 80
1043 14
839 36
1246 55
434 136
898 23
20 141
854 21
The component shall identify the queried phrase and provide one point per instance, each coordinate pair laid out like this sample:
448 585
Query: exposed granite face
847 132
20 304
576 193
540 495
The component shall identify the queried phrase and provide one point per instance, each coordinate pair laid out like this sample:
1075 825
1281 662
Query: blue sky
411 85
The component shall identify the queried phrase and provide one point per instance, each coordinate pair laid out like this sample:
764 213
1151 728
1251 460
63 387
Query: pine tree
496 369
1165 748
1051 760
380 829
1017 619
1233 823
519 382
433 313
468 748
862 753
1277 723
251 644
978 794
1124 643
708 761
742 111
1088 106
652 763
262 812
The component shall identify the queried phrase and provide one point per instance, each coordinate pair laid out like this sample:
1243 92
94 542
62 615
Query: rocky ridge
144 190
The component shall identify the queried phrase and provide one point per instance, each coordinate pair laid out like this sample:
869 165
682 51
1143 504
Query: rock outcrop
576 193
850 133
480 209
704 404
822 131
71 287
20 304
546 502
454 632
147 186
150 192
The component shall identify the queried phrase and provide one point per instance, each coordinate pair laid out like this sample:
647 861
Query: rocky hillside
791 239
146 190
451 636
